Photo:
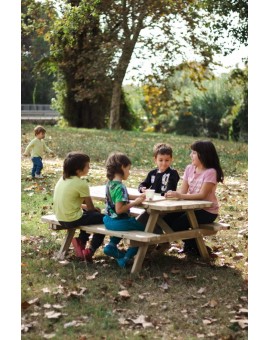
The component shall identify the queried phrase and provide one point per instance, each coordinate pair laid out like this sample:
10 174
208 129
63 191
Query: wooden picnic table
156 209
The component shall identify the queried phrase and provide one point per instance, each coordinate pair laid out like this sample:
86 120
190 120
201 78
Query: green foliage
239 128
192 102
36 81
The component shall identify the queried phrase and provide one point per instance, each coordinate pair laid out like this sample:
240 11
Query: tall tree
97 40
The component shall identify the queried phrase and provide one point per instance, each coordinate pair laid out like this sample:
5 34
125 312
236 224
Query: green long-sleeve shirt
36 148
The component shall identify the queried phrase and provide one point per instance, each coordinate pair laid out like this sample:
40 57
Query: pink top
195 182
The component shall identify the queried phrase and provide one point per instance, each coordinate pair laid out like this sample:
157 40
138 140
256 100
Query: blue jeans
124 224
37 166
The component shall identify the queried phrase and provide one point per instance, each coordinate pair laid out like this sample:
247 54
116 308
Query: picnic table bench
143 239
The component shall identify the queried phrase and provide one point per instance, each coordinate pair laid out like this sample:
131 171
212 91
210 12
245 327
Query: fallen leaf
141 319
213 303
123 321
46 290
92 277
47 305
238 256
64 262
164 286
49 336
124 294
201 290
242 323
53 315
191 277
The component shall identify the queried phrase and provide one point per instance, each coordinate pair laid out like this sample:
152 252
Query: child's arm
121 208
28 149
47 149
88 204
146 184
182 194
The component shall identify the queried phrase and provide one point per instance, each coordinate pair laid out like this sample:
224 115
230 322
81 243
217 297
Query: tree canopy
92 43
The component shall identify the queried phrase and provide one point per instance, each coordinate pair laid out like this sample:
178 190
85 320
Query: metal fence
38 111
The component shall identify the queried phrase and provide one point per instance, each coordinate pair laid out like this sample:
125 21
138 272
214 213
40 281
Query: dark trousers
178 221
88 218
37 166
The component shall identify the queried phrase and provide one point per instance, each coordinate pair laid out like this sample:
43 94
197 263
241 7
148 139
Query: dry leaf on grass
201 290
52 314
92 277
242 323
124 294
142 319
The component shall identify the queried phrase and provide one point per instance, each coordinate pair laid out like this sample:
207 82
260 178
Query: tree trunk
115 106
121 69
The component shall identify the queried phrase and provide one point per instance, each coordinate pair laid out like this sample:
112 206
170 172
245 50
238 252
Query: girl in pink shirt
199 183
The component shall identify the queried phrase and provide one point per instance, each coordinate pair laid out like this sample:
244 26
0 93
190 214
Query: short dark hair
162 149
39 129
114 164
207 154
73 162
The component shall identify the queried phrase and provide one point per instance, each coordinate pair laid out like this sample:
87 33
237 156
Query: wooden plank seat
136 238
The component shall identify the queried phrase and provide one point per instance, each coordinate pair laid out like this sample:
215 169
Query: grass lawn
173 297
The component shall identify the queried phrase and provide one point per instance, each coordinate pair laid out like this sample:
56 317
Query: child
163 178
69 195
37 147
117 215
199 183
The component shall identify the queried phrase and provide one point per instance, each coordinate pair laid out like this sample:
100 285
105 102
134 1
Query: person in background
117 215
164 177
73 206
36 148
199 183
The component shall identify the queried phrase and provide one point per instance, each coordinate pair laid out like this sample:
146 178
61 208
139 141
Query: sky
258 190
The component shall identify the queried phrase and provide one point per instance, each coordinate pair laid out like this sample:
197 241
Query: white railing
38 111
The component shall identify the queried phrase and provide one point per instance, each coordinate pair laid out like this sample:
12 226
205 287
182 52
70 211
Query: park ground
173 297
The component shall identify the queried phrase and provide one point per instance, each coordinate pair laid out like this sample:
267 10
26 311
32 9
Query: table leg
138 261
199 240
66 243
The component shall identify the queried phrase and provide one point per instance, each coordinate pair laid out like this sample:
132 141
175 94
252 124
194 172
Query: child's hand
172 194
140 199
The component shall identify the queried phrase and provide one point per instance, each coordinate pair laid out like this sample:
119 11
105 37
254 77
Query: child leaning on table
36 148
164 177
117 215
73 206
199 183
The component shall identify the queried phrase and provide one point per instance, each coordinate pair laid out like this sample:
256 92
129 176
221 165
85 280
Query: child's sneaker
78 247
38 176
88 254
113 251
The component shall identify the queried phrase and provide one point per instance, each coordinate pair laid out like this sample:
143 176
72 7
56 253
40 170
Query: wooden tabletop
158 203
